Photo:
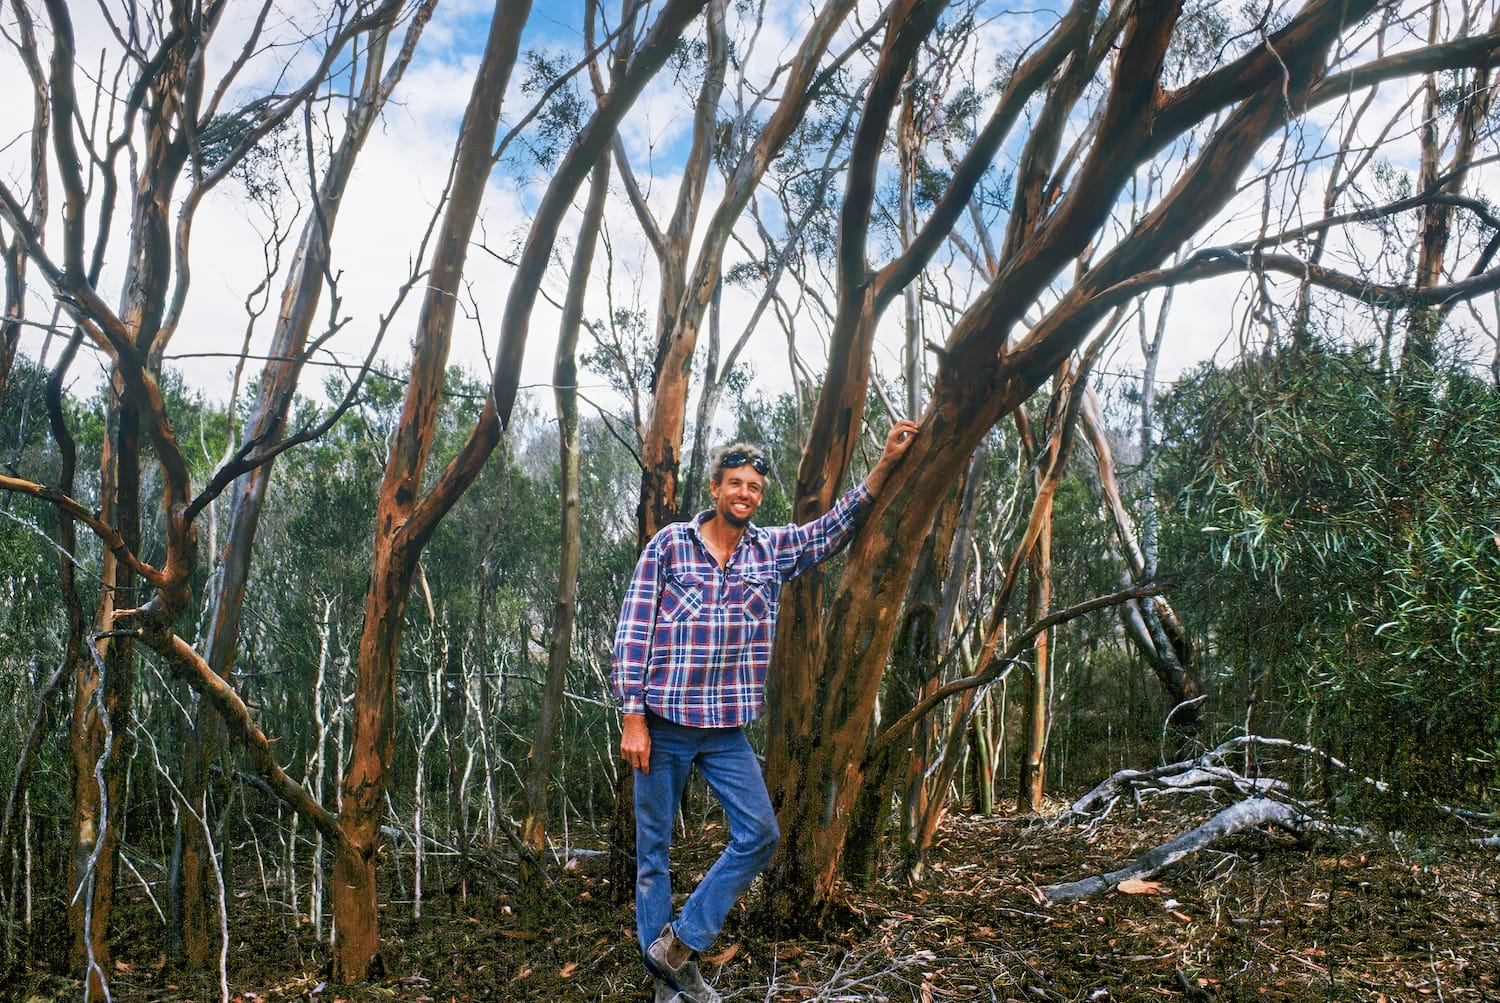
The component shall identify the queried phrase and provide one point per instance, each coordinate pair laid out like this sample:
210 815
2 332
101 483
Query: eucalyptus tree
145 141
164 112
1101 105
408 513
745 148
1336 523
252 462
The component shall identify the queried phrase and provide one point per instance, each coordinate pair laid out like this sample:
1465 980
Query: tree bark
1039 679
264 430
395 552
684 303
101 717
979 379
560 644
405 516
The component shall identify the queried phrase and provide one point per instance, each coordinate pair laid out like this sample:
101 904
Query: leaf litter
1259 917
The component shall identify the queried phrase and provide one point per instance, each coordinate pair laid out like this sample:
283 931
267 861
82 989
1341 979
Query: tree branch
997 666
103 530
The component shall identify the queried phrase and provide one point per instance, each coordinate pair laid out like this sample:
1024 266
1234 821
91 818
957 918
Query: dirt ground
1260 917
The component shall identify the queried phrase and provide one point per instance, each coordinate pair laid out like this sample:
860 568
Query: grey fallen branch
1247 814
1208 768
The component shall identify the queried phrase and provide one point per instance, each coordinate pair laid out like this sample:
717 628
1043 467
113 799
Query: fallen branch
1247 814
1207 768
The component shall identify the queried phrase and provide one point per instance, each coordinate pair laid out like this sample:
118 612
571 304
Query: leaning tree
1102 93
154 135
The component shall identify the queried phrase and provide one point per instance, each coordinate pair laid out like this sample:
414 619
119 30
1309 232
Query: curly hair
753 452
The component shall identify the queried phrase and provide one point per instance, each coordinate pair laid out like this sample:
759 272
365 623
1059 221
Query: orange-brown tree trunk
398 544
194 929
817 769
405 516
1039 679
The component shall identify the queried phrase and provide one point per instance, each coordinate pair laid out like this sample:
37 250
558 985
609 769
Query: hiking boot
685 978
666 994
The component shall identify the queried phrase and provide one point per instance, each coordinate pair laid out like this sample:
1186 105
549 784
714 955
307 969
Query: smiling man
690 660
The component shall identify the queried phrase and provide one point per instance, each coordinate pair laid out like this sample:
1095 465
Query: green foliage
563 114
1339 525
258 168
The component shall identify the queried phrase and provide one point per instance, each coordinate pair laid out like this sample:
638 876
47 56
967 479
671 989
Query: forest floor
1258 917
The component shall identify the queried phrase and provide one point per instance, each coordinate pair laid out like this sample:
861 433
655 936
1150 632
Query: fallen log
1247 814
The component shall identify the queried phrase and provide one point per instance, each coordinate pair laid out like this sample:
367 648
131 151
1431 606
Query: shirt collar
697 521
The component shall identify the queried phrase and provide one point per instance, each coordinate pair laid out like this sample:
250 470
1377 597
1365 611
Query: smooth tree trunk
825 702
13 256
102 691
802 693
405 516
1038 714
101 720
195 921
1152 626
395 552
689 287
570 464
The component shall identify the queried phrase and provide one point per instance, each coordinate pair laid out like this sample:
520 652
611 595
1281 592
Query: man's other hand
635 743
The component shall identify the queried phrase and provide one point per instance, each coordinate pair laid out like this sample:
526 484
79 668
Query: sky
399 182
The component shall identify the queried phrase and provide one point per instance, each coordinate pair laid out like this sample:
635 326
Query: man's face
737 494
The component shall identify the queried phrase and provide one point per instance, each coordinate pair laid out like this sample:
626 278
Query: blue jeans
724 757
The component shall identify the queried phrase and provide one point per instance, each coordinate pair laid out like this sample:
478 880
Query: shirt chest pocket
684 597
758 596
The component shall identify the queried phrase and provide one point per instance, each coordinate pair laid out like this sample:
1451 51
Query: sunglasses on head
738 458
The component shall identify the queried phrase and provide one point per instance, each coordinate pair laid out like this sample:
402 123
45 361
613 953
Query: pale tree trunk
317 880
560 643
435 673
13 253
1152 626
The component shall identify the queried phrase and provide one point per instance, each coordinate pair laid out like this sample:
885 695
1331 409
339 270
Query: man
690 661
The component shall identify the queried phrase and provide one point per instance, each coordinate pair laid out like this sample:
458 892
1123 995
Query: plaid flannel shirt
694 640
